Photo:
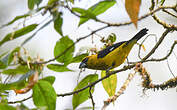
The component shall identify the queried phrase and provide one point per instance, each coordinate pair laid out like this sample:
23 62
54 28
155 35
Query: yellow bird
112 56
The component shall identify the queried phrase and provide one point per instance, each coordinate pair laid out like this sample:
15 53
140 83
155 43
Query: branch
91 96
170 69
147 81
169 13
20 101
140 45
165 57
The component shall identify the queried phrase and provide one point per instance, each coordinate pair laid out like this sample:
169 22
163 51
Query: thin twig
20 100
165 57
91 97
170 69
174 53
169 13
140 45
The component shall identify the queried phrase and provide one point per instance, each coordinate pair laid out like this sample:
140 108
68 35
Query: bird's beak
82 65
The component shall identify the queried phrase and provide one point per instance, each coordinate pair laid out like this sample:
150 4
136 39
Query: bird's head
83 64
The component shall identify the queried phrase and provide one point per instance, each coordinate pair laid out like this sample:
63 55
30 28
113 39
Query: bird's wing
109 49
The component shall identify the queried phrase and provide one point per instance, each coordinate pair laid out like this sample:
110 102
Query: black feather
139 35
107 50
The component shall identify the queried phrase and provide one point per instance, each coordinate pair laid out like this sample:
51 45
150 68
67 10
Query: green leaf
2 65
51 2
20 83
23 107
61 48
84 95
112 37
21 69
38 2
72 1
162 2
31 4
18 33
98 9
102 6
79 58
50 79
12 86
44 95
84 13
16 18
58 68
110 83
6 60
4 106
11 55
3 54
58 21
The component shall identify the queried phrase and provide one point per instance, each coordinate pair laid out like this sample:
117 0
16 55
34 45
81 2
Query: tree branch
147 81
165 57
91 96
20 101
169 13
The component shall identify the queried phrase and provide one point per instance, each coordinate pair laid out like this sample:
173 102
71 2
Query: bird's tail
139 35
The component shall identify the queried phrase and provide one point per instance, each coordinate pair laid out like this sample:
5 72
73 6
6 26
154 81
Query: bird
112 56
